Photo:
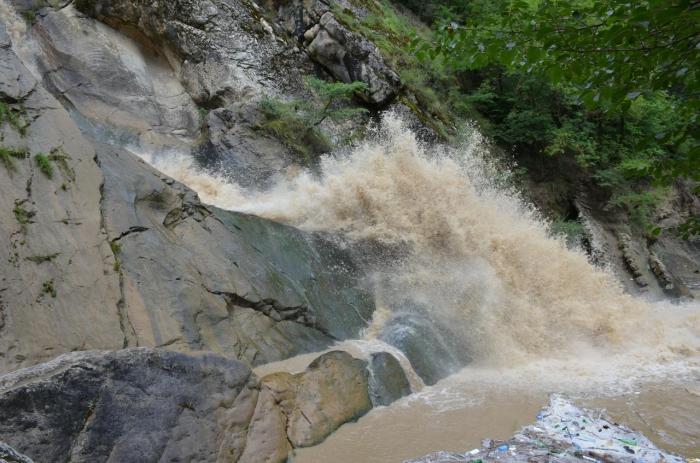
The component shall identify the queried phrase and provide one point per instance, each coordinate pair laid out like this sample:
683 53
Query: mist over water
479 260
516 313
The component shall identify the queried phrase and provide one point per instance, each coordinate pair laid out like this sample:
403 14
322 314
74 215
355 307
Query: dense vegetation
611 85
618 81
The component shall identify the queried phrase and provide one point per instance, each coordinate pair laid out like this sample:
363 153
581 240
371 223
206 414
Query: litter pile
565 433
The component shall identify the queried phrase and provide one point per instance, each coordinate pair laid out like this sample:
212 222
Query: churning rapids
464 258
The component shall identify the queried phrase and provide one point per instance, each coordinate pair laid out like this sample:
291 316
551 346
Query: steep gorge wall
110 253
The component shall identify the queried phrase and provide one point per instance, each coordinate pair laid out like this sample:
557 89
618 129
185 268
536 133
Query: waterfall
477 264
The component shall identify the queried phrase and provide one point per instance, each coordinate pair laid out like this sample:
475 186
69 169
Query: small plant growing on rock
44 165
116 250
7 157
59 158
48 288
296 123
29 16
23 216
13 116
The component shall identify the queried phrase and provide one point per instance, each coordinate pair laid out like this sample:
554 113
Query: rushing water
479 263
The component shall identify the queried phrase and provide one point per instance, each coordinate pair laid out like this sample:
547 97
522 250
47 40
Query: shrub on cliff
296 123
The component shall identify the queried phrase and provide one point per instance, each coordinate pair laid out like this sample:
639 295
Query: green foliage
612 84
29 16
44 164
296 123
429 82
59 158
8 156
571 230
115 247
606 53
202 113
13 115
116 250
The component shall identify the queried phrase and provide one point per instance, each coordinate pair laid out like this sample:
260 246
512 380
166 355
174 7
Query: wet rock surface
387 381
433 352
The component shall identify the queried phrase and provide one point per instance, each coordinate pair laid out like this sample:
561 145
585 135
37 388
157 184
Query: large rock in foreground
333 390
131 405
154 405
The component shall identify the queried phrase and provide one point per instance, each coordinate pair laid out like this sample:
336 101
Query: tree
606 53
297 122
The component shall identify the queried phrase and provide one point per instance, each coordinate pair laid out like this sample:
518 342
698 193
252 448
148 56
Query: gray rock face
114 80
195 277
58 289
387 381
110 254
130 405
660 267
148 405
350 57
222 50
10 455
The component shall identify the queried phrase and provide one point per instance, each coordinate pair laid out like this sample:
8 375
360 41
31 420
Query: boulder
333 390
144 404
387 381
132 405
433 350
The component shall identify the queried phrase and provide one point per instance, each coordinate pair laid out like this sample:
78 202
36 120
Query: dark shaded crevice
271 308
131 230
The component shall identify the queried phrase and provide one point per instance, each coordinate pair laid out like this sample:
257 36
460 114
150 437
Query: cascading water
465 273
478 280
477 258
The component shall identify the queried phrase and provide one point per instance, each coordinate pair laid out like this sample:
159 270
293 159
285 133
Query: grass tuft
44 164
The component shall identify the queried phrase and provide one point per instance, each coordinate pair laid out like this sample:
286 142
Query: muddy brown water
661 400
669 416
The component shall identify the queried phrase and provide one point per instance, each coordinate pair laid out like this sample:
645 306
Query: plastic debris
565 433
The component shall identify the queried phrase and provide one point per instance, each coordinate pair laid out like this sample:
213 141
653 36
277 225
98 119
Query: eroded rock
333 390
143 404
